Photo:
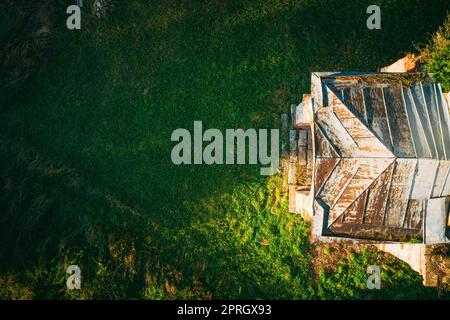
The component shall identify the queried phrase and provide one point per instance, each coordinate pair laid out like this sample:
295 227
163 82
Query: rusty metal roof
382 153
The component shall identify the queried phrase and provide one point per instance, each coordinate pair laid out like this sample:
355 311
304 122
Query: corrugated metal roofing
382 152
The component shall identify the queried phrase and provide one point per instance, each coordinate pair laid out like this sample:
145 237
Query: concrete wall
406 64
412 253
436 221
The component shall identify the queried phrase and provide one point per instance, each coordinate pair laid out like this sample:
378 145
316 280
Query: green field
85 171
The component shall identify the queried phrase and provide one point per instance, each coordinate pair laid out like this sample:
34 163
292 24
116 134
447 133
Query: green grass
86 174
348 278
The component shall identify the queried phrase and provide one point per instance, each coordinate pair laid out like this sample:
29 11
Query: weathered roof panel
376 114
398 122
421 145
323 169
378 193
399 192
367 171
424 179
381 147
440 177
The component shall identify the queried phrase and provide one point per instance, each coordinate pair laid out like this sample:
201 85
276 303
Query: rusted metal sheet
443 120
439 179
378 142
377 198
399 191
424 178
398 122
353 99
415 214
339 83
336 133
338 180
323 168
355 212
422 113
368 145
421 145
376 114
368 170
375 232
433 112
325 149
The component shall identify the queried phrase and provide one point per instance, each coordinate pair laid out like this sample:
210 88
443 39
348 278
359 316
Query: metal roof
382 155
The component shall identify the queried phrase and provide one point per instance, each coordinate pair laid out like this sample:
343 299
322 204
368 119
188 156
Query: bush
436 55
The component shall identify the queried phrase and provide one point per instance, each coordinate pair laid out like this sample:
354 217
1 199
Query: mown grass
86 172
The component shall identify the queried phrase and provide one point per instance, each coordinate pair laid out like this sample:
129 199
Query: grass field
86 176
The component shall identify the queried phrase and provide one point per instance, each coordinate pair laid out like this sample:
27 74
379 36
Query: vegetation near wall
436 55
